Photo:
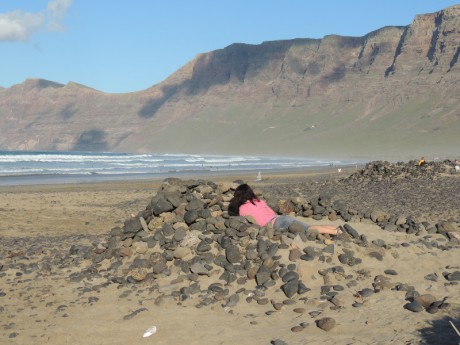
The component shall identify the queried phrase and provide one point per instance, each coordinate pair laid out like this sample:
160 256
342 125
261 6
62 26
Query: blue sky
124 46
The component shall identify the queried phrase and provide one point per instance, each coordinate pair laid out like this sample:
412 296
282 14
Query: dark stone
278 342
366 292
204 213
432 276
349 260
195 205
414 306
290 288
291 267
224 241
319 210
263 275
325 289
289 276
307 257
159 267
390 272
167 229
132 225
346 216
179 234
432 309
376 255
199 268
203 246
160 205
340 206
379 242
326 323
134 313
455 276
190 216
233 300
390 227
329 249
411 294
272 249
302 288
351 231
232 253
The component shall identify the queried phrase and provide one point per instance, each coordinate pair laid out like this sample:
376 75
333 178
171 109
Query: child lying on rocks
246 203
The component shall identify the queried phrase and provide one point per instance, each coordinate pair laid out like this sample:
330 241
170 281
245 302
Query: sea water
25 167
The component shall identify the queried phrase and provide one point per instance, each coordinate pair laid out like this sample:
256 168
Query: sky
120 46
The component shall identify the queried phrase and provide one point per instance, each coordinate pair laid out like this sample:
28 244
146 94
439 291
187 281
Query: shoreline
49 180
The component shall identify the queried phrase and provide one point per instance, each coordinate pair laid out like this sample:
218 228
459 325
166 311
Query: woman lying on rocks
246 203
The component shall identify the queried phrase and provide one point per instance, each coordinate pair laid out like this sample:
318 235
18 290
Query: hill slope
394 92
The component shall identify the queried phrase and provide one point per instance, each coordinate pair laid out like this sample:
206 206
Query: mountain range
393 93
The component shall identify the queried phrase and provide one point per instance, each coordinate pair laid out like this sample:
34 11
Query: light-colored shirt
260 211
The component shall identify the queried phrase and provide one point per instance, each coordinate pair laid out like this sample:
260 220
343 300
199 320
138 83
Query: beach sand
41 304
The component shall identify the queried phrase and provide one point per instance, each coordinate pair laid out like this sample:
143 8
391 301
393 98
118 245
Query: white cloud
56 12
20 26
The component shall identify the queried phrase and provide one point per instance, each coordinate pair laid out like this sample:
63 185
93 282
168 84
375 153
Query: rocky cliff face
395 89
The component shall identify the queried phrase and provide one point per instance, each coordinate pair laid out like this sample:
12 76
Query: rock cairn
186 235
383 170
398 197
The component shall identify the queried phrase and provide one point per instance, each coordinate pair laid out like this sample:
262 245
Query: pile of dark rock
427 194
186 229
186 235
327 205
383 170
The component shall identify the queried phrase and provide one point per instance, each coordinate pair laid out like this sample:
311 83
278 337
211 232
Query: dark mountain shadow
43 84
68 111
314 68
441 332
455 58
349 41
398 52
337 74
431 54
222 66
92 140
150 108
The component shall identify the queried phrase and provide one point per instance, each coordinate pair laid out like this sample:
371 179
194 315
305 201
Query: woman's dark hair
242 194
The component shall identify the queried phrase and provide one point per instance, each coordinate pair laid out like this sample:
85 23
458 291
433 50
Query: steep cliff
394 92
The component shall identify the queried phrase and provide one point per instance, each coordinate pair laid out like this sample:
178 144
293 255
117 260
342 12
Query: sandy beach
51 295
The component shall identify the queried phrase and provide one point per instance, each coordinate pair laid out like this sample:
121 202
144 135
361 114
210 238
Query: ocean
38 167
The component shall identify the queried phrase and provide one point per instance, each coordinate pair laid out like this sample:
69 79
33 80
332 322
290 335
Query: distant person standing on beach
246 203
457 165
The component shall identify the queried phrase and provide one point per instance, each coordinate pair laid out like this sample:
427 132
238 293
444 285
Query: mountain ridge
393 92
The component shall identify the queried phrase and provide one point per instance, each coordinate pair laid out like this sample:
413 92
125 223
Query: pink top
261 212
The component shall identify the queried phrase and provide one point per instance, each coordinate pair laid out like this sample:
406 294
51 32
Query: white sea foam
14 163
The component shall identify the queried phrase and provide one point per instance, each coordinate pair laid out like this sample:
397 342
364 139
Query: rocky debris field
427 193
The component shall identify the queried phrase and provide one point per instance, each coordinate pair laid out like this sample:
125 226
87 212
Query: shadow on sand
441 332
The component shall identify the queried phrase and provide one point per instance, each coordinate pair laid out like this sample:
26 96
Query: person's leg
283 222
325 229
